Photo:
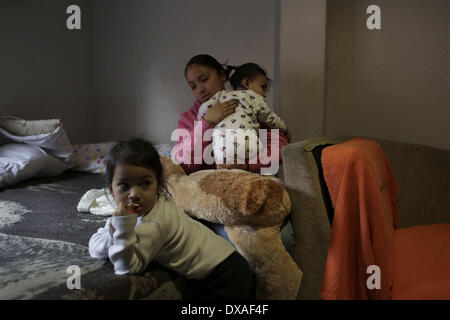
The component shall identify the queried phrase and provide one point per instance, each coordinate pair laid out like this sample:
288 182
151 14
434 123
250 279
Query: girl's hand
220 111
124 209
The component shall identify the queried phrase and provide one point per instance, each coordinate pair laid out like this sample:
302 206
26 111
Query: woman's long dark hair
210 61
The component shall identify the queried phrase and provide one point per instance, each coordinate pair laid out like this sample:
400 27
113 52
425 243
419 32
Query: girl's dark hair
136 152
247 70
209 61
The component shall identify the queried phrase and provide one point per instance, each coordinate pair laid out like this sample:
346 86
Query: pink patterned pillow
92 157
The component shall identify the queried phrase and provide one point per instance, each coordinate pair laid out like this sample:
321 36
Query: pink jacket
188 135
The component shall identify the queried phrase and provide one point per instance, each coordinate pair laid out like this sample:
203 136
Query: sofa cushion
309 215
422 263
422 174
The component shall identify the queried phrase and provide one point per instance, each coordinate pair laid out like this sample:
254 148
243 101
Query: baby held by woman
236 137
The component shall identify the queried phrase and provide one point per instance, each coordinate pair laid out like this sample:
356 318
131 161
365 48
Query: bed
45 224
43 234
44 238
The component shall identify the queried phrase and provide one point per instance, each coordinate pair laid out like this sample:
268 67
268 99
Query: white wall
392 83
45 69
122 74
302 66
141 49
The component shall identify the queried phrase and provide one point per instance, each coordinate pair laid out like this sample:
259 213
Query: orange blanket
363 192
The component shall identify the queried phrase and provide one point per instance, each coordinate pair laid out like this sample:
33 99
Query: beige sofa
424 197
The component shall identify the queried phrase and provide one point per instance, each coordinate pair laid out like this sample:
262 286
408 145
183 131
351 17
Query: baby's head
250 76
135 174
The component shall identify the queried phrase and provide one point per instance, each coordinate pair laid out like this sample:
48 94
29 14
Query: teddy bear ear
171 168
254 196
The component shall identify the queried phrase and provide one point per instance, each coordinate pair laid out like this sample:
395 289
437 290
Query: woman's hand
220 111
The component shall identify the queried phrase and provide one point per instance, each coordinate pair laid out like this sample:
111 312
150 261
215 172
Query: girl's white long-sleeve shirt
167 235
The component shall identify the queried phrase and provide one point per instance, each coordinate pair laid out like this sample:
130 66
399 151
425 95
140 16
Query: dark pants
233 279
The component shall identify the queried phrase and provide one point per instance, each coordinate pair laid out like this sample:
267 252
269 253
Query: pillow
19 162
92 157
32 149
165 149
46 134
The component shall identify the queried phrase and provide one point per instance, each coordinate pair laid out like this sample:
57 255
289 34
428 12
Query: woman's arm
191 133
189 138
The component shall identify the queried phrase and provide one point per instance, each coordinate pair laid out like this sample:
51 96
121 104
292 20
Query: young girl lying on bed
148 226
250 84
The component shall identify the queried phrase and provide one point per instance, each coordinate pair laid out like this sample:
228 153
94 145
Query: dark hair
247 70
136 152
210 61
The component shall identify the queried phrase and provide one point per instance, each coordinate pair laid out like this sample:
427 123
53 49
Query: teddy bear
252 208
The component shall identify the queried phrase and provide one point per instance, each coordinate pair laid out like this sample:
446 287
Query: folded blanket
31 149
363 192
98 202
